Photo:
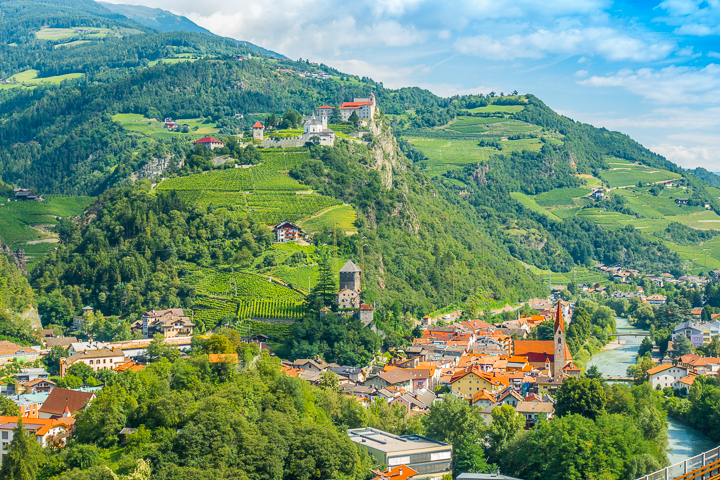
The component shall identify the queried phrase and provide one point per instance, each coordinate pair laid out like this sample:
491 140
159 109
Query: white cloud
714 54
692 17
674 84
690 156
606 42
581 73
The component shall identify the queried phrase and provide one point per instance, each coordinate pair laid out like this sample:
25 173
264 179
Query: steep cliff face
385 151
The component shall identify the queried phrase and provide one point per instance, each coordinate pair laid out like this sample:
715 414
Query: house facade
364 107
210 143
169 323
258 132
48 433
286 231
666 375
101 359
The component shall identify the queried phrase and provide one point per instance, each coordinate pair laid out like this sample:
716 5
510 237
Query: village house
28 404
38 385
597 195
325 111
398 377
209 142
535 411
170 323
48 433
25 194
682 201
316 364
63 403
101 359
78 320
353 373
656 300
666 375
286 231
63 342
697 333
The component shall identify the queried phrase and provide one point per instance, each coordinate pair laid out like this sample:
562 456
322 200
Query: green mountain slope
165 21
156 18
529 172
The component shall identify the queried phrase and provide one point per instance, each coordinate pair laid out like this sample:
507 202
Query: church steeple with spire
559 361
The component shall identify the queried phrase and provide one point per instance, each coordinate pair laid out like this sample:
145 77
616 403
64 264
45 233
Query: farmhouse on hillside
210 143
287 232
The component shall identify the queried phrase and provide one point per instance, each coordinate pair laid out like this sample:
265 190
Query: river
684 441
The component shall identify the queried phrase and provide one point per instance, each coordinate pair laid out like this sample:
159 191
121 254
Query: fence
686 466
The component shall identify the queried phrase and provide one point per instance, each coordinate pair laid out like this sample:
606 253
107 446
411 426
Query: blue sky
650 69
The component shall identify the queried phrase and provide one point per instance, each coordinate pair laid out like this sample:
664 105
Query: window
91 362
440 456
392 462
4 435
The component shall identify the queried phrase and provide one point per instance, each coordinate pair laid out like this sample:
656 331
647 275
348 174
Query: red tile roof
324 106
258 125
208 140
60 398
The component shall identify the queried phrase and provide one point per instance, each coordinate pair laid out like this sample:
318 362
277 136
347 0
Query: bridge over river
684 442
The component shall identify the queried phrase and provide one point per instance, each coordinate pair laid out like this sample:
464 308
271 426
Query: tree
335 118
639 370
106 415
323 294
582 396
329 380
52 359
645 347
24 456
682 345
454 421
594 372
159 349
82 371
505 426
354 119
8 407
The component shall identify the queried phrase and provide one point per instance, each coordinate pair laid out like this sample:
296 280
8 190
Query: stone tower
559 360
350 277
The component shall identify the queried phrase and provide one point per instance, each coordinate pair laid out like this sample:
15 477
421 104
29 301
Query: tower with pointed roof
559 357
350 277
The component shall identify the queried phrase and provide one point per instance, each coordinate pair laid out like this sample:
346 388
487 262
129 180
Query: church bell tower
559 361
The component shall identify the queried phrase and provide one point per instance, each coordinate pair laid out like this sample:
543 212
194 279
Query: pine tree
354 119
24 456
336 118
323 295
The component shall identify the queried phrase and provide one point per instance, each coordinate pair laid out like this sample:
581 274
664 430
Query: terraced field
563 196
69 33
198 127
28 225
626 174
269 195
233 297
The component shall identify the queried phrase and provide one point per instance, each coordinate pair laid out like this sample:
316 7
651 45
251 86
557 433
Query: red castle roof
208 140
324 106
353 105
258 125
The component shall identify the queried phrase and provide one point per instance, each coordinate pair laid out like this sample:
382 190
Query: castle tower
350 277
258 131
559 361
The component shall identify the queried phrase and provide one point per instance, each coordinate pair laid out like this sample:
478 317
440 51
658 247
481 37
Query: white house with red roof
364 107
209 143
287 232
258 131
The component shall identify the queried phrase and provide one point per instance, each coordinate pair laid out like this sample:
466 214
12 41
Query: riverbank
683 440
615 344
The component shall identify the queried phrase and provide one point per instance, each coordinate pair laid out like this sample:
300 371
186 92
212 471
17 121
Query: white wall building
666 375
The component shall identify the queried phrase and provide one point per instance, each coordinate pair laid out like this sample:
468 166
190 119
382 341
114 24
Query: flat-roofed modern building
430 458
